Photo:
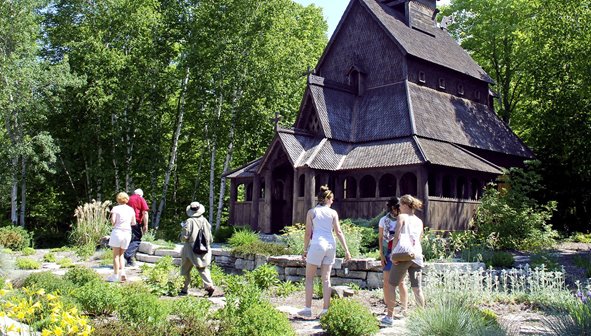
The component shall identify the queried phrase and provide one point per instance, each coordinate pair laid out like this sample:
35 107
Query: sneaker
130 263
123 277
306 312
113 278
324 311
402 314
210 291
387 321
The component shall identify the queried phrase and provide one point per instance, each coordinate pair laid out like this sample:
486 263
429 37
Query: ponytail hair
412 202
324 194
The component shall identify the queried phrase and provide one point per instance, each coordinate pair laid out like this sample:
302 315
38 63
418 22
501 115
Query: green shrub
149 236
110 327
577 319
223 234
14 237
50 282
85 251
489 257
92 223
261 248
28 251
65 263
264 276
293 236
25 263
192 316
80 275
243 237
140 306
501 259
285 288
434 246
579 237
513 215
347 317
49 257
550 262
106 257
260 320
217 276
452 314
585 263
163 278
97 297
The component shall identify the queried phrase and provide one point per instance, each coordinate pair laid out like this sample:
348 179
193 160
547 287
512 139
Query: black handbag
200 244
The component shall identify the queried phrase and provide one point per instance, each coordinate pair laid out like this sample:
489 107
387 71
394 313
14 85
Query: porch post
256 195
265 222
233 193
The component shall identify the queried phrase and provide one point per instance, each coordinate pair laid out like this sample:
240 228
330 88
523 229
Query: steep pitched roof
440 49
248 170
445 117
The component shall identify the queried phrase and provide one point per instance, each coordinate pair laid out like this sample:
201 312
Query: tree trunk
23 191
212 182
113 148
173 150
223 179
14 193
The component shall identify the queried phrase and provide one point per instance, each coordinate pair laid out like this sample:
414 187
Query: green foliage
347 317
49 257
80 275
285 288
65 262
149 236
243 237
263 276
139 306
164 244
217 276
92 223
193 315
259 319
543 258
25 263
579 237
49 282
577 320
163 278
585 263
106 257
261 248
28 251
14 237
223 234
317 289
293 236
368 230
434 246
513 216
452 314
85 251
109 327
95 297
490 258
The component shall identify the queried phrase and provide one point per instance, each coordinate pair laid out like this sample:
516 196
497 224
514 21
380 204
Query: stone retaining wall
366 273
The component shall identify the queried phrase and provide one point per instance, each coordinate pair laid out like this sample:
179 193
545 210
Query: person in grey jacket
189 233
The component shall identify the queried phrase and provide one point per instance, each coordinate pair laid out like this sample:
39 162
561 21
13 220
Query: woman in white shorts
320 247
122 218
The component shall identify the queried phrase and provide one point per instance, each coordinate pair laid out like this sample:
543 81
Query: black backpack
200 244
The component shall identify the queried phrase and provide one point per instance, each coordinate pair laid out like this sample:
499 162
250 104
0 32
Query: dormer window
422 77
461 89
442 83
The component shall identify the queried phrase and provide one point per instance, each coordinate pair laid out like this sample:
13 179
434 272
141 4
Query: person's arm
186 231
381 244
113 218
308 233
341 236
145 222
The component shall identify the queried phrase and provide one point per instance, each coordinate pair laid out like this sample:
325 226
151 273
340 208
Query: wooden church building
395 106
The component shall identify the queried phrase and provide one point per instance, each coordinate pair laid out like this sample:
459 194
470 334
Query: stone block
341 291
375 280
336 281
290 271
337 263
293 278
175 253
374 265
352 274
147 247
287 261
218 251
244 264
260 260
147 258
357 264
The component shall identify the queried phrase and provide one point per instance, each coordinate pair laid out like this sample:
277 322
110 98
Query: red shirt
139 205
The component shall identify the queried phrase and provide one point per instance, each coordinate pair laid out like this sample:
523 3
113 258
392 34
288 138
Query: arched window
387 185
367 187
446 186
433 185
408 184
476 189
349 187
319 181
249 192
241 193
461 188
302 185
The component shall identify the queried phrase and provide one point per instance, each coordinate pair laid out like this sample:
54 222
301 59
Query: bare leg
326 290
418 291
403 294
310 275
122 261
116 260
389 295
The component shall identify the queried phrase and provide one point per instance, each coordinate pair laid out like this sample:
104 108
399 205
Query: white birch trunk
223 179
23 192
14 194
173 151
212 182
113 147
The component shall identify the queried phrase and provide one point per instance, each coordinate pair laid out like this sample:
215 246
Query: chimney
418 14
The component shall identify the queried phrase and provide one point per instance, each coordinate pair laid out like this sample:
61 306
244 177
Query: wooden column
310 192
233 193
265 217
256 196
423 192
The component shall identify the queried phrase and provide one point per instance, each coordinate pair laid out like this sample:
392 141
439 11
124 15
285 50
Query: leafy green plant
584 263
452 314
285 288
139 306
223 234
65 262
243 237
434 246
490 258
50 282
92 223
163 278
49 257
347 317
580 237
26 263
80 275
28 251
577 319
106 257
259 319
109 327
218 276
149 236
192 315
14 237
293 236
543 258
85 251
261 248
263 276
97 297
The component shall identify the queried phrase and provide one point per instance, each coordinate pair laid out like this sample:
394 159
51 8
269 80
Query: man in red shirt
139 205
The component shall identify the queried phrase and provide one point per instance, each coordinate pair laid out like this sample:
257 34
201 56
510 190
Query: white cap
139 192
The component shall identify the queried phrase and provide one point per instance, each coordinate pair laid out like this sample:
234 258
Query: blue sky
334 9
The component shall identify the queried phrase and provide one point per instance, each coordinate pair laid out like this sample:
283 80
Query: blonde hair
412 202
122 198
324 194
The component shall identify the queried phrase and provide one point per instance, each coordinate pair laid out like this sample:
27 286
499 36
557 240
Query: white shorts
120 239
321 254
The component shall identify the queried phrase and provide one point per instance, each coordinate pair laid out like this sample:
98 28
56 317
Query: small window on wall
367 187
461 188
442 83
301 185
387 185
349 188
432 184
446 190
262 192
476 189
461 89
408 184
422 77
241 193
249 192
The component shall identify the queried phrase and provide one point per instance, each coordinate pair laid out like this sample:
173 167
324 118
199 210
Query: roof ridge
416 139
411 114
316 151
